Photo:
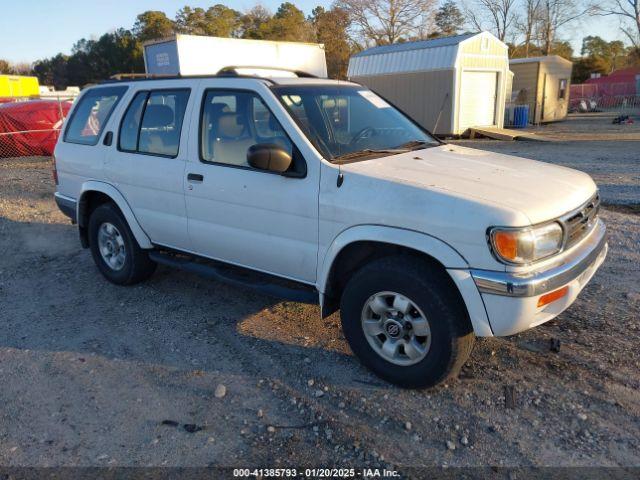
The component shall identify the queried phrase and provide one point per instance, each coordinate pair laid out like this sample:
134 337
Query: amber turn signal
547 298
506 243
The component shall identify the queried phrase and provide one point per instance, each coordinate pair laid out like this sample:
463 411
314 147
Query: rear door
238 214
147 161
477 99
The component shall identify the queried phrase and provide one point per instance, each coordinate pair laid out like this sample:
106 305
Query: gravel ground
98 375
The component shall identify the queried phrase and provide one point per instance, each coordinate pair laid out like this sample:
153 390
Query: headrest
229 126
216 108
158 116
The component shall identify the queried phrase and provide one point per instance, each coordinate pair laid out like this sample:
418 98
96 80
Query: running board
209 270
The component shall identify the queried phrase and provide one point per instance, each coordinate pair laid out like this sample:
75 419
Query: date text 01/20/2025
316 473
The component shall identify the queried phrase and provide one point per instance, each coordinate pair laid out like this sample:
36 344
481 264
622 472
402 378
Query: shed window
562 88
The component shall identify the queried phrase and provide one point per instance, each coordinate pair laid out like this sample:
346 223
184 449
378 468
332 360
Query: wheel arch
358 245
95 193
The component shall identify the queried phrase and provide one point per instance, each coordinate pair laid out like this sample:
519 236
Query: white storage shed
200 55
447 84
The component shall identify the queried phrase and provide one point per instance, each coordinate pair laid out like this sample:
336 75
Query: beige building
446 84
543 84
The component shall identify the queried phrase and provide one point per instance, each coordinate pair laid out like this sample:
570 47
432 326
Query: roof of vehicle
309 81
285 80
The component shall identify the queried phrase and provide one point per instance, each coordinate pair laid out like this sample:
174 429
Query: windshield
349 122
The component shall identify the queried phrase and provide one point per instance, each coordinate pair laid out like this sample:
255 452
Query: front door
241 215
147 163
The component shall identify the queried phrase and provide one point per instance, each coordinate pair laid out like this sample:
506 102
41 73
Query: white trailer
199 55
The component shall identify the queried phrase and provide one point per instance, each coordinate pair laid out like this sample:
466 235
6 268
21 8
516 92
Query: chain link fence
30 126
621 98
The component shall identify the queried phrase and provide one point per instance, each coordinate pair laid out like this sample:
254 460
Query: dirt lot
95 374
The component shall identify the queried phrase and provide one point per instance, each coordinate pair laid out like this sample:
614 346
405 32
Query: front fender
421 242
455 264
115 195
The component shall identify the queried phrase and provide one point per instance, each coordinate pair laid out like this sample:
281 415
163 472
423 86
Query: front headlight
526 245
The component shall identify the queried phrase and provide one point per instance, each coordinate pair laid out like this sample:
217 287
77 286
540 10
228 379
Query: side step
264 283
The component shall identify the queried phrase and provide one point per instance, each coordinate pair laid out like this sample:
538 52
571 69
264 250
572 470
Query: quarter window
91 115
234 121
153 122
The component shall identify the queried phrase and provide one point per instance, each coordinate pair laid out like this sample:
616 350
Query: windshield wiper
367 152
416 145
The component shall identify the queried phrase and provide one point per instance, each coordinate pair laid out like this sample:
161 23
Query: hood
541 191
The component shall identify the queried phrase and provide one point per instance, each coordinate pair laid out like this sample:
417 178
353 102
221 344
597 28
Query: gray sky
35 29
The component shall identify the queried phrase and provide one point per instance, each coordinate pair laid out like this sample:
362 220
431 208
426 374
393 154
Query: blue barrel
520 116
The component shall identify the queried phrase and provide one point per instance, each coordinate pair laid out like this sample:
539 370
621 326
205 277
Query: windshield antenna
340 176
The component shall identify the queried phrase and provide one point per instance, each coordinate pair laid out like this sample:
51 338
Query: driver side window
232 122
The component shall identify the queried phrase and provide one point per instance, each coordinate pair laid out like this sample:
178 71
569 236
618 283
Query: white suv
336 197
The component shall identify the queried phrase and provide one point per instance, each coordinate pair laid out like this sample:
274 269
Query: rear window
153 122
92 114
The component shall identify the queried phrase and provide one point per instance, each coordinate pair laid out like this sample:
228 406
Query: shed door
477 100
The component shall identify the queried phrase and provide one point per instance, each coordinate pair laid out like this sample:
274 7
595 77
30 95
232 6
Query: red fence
30 127
597 97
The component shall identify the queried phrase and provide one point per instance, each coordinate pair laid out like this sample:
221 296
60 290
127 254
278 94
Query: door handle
195 177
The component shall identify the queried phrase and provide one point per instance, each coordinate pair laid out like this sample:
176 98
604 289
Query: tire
126 263
436 351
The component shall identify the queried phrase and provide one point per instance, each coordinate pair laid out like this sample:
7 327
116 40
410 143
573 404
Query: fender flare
95 186
421 242
455 264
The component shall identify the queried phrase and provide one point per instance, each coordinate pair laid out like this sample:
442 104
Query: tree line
529 27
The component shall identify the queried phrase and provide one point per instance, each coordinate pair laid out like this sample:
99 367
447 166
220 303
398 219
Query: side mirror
268 156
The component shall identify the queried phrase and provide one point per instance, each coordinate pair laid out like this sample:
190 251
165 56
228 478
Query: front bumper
67 205
511 299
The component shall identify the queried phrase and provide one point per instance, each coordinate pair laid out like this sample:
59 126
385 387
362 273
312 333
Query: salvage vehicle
328 194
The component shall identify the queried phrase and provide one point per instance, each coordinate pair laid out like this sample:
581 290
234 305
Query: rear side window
91 115
153 122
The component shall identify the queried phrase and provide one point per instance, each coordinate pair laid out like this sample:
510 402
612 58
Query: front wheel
404 320
114 248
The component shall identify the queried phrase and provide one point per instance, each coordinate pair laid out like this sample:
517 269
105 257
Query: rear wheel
404 320
114 248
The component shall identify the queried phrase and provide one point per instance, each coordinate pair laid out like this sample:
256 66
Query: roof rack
233 70
230 71
138 76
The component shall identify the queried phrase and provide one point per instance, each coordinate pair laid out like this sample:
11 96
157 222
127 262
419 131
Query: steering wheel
366 132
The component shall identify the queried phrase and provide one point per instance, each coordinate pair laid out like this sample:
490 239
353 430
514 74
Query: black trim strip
209 270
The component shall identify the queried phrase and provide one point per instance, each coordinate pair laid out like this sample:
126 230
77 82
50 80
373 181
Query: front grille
579 223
